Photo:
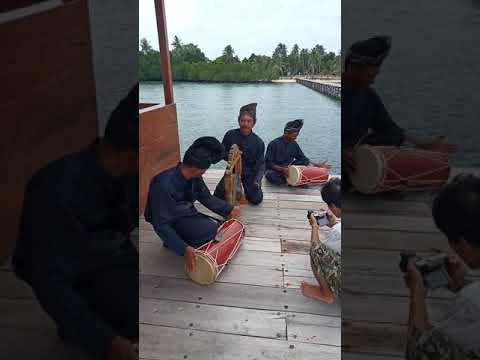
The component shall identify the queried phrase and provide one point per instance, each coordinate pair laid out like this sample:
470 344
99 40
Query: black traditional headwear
369 52
294 126
250 109
204 152
122 126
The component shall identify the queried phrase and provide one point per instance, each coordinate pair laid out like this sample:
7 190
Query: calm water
212 109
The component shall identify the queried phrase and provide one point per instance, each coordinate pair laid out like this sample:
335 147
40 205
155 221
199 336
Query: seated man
73 246
171 196
455 333
365 119
325 256
285 151
253 149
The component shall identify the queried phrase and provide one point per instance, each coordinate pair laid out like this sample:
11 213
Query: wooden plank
392 223
155 260
373 338
275 232
314 329
296 246
384 309
368 356
382 285
38 344
165 343
261 244
393 240
374 205
238 295
303 205
293 282
154 256
221 319
248 243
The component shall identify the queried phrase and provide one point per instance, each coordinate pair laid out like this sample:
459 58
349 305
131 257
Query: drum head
204 272
369 168
294 175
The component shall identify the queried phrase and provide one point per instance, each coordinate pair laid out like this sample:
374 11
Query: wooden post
164 51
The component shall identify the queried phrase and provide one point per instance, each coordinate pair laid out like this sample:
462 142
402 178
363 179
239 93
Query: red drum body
386 168
303 175
211 258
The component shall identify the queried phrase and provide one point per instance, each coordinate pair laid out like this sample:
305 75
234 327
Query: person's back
73 246
59 200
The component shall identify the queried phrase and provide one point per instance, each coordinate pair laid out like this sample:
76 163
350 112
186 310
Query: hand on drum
236 212
189 258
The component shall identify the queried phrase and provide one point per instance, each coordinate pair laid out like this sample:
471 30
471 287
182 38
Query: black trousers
253 193
275 177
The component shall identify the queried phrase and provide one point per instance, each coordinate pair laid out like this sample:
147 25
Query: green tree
176 43
294 60
145 46
228 55
280 57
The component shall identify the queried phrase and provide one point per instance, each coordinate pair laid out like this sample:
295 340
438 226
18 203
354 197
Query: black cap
294 126
369 52
204 152
250 109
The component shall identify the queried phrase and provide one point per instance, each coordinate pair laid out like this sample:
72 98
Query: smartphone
321 217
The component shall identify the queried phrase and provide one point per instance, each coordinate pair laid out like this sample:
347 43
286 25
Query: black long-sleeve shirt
363 110
171 197
281 153
253 150
75 221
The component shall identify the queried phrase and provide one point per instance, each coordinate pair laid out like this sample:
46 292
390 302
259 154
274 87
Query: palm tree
228 54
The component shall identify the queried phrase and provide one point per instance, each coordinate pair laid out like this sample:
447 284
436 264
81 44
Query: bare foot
316 292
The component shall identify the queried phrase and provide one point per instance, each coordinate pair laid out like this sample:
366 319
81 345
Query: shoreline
274 81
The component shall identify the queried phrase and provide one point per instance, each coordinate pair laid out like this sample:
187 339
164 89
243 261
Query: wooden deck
375 299
25 329
255 310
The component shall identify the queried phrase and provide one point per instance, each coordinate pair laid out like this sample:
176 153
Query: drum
212 257
302 175
386 168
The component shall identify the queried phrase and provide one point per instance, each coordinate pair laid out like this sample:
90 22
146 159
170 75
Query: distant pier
329 87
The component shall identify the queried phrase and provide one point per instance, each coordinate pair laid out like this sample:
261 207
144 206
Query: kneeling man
171 196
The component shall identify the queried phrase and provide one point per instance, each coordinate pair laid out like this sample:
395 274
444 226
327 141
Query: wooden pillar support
164 51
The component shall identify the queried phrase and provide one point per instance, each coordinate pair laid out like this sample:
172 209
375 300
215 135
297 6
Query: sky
250 26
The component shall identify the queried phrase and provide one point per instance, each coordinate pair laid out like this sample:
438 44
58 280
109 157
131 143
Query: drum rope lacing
213 260
429 184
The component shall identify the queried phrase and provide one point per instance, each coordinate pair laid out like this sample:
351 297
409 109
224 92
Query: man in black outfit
74 247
